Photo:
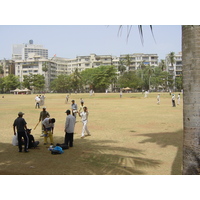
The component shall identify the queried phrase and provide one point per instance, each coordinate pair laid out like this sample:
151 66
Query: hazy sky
69 41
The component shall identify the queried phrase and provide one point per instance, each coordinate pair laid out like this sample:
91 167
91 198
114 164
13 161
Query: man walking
20 125
74 108
69 128
43 114
84 117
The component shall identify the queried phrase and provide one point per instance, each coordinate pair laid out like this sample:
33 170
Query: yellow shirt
81 108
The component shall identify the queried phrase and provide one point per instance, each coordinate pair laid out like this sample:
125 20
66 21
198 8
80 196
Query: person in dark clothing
32 142
69 128
20 127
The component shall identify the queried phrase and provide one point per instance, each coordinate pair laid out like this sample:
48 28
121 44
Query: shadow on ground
165 139
87 157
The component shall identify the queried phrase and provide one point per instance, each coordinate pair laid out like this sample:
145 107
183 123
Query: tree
130 79
38 82
149 71
128 61
27 81
100 78
171 58
191 99
62 84
162 65
179 83
121 67
76 80
10 82
1 71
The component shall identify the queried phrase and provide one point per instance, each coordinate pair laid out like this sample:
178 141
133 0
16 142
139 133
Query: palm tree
162 65
128 61
172 61
191 98
121 67
171 58
1 71
45 69
149 70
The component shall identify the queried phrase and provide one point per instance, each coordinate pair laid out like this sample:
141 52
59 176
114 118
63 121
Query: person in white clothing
84 117
179 99
158 99
37 102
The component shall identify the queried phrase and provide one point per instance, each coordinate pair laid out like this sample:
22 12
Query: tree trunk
191 99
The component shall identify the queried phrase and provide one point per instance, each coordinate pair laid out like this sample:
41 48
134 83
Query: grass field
131 135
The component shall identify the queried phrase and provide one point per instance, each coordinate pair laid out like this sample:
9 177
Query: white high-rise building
25 51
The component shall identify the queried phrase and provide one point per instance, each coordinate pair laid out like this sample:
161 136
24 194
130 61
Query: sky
69 41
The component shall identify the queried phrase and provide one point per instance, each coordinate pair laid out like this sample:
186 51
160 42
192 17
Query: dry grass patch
130 135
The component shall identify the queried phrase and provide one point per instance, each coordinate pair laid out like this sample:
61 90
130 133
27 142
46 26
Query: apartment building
137 59
8 67
35 65
176 69
68 66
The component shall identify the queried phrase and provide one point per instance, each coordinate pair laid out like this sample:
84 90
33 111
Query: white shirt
37 99
84 116
46 123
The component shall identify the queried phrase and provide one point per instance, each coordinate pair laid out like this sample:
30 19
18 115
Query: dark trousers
37 105
23 135
173 103
69 138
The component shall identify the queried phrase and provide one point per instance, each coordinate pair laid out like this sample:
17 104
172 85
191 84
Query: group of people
173 99
47 126
39 101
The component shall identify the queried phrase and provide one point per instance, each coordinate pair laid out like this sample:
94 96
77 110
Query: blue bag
57 150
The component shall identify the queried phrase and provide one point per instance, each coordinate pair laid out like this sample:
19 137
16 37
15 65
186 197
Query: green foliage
27 82
34 80
1 70
76 80
130 79
38 82
99 78
62 84
179 83
147 77
9 82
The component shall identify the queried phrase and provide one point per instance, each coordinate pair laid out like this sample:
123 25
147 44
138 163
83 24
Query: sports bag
57 150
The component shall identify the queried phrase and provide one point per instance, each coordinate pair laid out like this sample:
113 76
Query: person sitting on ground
32 142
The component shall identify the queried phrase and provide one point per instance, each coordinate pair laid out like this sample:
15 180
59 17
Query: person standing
178 99
43 114
67 98
173 100
74 108
48 124
84 117
120 94
158 99
20 127
69 128
37 102
81 107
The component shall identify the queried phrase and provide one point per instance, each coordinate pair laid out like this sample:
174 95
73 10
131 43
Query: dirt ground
131 135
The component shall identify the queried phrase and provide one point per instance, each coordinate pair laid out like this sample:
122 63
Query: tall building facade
137 59
24 51
176 69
